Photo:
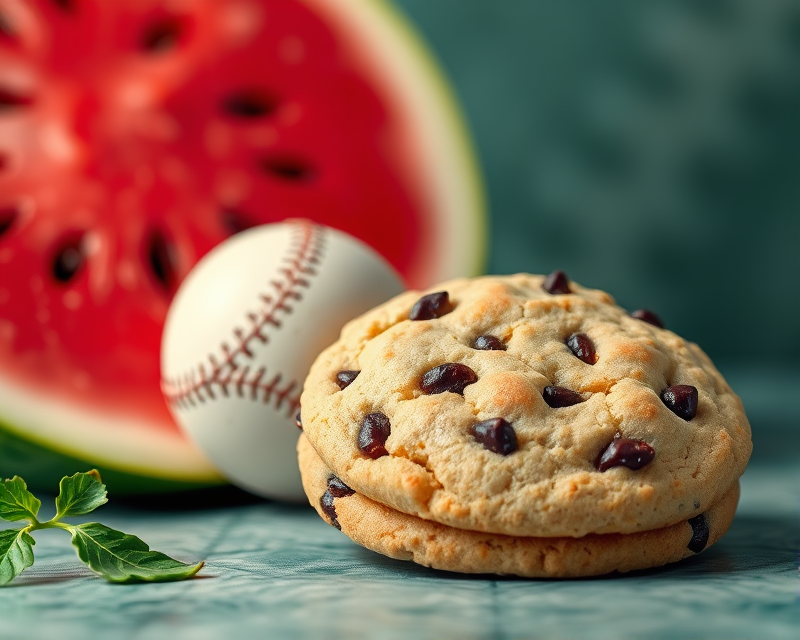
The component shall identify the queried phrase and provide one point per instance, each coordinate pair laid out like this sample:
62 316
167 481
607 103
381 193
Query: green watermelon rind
37 442
42 467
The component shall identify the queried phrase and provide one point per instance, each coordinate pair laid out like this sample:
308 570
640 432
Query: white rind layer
106 438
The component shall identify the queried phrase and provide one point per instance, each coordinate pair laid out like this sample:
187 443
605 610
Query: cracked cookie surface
579 383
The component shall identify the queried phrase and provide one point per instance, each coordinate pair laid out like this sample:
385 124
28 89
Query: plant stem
50 524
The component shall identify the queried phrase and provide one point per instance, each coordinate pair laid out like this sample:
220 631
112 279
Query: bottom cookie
405 537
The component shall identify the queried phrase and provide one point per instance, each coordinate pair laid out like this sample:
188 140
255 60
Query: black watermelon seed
433 305
298 421
700 533
12 100
372 435
162 36
235 221
557 397
249 103
162 260
68 260
337 488
557 282
581 345
345 378
451 376
288 169
624 452
8 215
649 317
489 343
6 30
496 435
64 5
681 399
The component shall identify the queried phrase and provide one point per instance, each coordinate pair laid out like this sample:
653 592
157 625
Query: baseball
242 332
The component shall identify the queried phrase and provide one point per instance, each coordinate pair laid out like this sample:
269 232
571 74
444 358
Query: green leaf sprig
113 555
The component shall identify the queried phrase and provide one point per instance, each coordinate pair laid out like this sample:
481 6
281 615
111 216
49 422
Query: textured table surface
279 571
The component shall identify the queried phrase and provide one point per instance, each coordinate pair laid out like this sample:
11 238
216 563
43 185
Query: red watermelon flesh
136 135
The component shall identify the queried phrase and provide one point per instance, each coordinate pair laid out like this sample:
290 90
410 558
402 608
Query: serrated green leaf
80 494
16 502
120 557
16 553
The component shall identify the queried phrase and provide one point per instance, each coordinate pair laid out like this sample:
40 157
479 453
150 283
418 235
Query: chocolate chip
326 502
450 376
681 399
344 378
700 534
372 436
624 452
489 343
581 345
556 282
497 435
298 421
434 305
337 488
649 317
558 397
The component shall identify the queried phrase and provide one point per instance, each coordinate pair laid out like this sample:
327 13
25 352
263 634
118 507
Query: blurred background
650 149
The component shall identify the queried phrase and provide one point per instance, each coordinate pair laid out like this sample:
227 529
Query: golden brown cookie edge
405 537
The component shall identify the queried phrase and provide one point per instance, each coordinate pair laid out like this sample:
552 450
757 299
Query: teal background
650 149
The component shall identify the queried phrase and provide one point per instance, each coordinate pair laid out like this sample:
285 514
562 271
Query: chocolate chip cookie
404 537
525 406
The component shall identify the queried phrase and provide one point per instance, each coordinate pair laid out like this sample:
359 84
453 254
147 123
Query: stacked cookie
521 425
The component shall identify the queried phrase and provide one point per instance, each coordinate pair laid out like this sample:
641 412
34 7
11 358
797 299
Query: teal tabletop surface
279 571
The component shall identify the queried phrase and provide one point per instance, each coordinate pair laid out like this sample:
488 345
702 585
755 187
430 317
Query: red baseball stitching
225 376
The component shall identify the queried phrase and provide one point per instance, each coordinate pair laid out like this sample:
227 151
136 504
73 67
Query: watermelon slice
134 136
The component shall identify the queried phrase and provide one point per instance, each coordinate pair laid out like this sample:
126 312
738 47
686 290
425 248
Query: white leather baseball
242 332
